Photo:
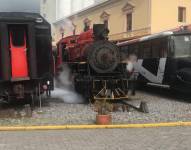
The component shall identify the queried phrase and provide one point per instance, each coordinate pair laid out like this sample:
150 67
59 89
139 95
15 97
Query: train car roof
21 17
145 38
154 36
176 31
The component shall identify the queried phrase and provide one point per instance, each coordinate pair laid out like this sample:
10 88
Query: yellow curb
64 127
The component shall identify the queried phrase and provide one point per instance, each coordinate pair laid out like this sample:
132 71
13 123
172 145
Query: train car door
18 48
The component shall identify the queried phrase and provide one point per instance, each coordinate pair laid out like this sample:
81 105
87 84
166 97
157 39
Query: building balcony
130 34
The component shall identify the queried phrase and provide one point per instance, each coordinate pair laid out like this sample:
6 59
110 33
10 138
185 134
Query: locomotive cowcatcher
26 60
95 63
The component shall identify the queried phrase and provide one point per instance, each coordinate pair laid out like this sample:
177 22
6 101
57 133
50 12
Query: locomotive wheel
103 56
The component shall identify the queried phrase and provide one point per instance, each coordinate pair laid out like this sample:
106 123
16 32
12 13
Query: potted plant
104 116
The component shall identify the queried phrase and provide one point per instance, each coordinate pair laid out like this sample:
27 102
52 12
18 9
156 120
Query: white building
55 10
48 11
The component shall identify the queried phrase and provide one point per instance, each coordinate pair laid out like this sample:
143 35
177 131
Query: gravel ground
162 108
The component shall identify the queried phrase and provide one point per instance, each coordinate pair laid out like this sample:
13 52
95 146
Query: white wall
68 7
53 10
48 11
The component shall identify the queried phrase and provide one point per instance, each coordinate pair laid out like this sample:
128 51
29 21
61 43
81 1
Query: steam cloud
64 89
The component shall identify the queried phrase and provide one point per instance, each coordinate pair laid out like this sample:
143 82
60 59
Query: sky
67 7
20 6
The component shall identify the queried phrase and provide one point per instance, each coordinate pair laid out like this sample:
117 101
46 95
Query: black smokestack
100 31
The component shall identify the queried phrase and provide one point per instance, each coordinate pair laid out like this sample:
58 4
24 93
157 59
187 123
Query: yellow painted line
119 126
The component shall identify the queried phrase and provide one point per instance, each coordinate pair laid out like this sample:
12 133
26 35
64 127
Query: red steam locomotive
95 63
26 60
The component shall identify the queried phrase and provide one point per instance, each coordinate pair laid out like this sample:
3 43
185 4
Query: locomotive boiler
26 60
95 63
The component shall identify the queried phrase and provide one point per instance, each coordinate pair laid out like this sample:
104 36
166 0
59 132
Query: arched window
74 28
87 24
62 31
128 11
105 18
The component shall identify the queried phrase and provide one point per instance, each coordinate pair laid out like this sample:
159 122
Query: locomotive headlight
48 82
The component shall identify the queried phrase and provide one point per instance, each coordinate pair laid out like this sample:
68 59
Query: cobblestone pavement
174 138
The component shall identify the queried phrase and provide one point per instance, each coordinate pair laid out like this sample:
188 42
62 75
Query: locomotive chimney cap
100 31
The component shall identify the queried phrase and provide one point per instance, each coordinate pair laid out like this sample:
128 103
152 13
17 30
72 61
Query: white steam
64 89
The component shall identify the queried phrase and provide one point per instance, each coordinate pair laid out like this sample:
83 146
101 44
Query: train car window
146 49
124 49
140 51
73 41
124 52
133 49
164 48
182 44
159 48
18 36
156 48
